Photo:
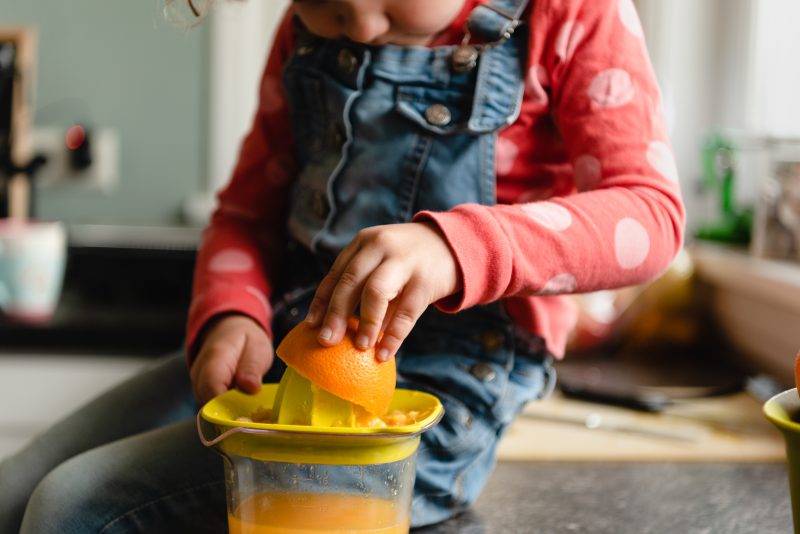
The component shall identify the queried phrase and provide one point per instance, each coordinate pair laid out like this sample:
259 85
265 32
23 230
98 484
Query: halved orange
343 370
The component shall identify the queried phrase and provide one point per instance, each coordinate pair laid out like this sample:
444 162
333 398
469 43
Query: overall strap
499 88
497 19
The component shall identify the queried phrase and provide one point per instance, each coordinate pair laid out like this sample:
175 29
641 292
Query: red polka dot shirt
587 187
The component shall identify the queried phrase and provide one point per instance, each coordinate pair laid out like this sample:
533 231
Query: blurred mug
783 410
32 260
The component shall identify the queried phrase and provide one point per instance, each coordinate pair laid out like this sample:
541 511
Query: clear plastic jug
297 479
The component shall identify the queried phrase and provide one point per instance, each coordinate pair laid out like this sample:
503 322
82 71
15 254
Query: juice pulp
310 513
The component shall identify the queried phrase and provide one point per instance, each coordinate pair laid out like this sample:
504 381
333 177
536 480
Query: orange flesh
312 513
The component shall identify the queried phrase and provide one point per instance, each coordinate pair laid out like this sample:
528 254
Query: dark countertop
119 297
629 498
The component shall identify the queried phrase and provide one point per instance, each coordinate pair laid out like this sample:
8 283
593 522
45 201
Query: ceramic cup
32 260
783 410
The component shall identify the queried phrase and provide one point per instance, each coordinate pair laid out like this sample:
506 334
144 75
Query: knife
595 421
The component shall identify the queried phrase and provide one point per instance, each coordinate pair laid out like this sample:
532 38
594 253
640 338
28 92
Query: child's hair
186 14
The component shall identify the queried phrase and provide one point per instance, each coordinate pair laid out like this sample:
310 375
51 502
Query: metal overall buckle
465 57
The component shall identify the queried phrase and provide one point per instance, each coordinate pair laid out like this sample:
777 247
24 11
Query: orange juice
312 513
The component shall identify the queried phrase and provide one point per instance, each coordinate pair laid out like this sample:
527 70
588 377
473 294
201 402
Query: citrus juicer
298 401
299 459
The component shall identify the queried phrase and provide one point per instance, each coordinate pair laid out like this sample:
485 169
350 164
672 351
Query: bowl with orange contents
330 448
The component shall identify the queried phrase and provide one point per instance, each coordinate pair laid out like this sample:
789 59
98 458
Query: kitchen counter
704 466
629 498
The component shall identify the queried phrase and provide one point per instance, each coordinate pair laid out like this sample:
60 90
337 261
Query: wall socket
102 175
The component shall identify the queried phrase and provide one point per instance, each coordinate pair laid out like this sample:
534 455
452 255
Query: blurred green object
719 170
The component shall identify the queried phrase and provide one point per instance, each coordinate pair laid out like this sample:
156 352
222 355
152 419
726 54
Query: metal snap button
348 61
464 59
483 372
304 50
438 115
492 340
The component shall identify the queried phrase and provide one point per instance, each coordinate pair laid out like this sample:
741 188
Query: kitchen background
166 109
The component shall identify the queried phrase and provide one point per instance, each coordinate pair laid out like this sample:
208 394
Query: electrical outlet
103 173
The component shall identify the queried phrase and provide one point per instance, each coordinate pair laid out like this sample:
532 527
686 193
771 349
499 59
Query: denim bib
382 133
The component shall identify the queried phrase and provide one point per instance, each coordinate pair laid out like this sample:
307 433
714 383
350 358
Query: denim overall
382 133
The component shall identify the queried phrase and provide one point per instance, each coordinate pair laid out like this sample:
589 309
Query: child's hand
394 272
235 352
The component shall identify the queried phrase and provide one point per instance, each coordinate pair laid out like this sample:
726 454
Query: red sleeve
241 250
623 224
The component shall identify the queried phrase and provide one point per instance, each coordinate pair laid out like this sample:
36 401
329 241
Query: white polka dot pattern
629 17
506 154
660 157
588 172
568 39
631 243
549 214
612 88
231 260
272 100
562 283
592 63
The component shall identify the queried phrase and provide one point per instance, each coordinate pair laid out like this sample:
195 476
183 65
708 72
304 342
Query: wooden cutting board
719 429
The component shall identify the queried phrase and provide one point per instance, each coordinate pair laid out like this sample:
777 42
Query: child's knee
61 501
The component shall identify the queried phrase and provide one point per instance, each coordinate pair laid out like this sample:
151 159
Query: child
450 170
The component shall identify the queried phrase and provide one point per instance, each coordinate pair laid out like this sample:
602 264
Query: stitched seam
154 501
422 155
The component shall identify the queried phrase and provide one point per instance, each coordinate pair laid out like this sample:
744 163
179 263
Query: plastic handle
228 433
212 442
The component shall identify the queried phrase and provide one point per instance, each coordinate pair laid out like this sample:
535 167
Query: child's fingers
410 305
210 376
387 318
319 304
346 295
255 361
380 289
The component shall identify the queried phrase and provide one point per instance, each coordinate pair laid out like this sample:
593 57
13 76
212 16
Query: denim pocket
529 379
438 110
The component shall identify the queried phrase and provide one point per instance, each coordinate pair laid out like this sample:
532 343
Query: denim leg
473 364
158 396
161 481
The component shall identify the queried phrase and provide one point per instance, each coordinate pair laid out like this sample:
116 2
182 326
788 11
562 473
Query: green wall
119 65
